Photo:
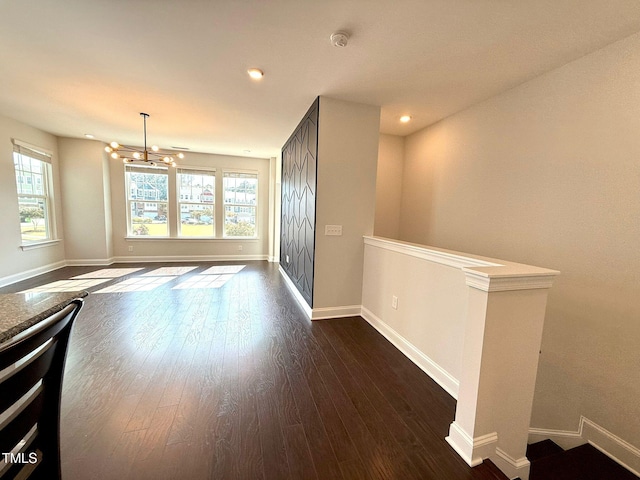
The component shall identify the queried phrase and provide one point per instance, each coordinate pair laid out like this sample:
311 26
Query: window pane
148 218
196 220
33 219
197 187
148 186
147 194
30 175
33 194
196 197
240 188
240 198
239 221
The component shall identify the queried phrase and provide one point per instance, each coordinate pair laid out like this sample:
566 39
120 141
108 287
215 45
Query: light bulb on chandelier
134 154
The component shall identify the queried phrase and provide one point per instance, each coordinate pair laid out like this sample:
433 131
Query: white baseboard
187 258
321 313
472 450
296 293
565 438
88 262
18 277
431 368
335 312
511 467
616 448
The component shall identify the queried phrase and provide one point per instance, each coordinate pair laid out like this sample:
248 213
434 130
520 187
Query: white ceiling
72 67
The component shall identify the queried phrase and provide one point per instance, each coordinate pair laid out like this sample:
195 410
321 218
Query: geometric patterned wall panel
298 223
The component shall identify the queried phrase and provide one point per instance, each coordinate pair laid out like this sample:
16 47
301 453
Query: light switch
333 230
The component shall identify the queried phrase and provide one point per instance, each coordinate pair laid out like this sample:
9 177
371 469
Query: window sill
192 239
46 243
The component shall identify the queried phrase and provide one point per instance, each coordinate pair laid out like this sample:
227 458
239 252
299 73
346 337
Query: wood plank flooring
234 383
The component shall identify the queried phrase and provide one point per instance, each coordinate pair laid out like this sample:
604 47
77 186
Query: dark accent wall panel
298 223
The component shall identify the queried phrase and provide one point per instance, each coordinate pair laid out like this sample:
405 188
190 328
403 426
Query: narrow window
197 202
240 204
34 185
147 197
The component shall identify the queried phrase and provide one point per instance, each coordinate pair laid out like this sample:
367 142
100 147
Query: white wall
346 189
548 173
428 323
84 170
15 263
389 186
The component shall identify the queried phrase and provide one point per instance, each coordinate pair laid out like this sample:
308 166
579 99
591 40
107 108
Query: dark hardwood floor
234 383
550 462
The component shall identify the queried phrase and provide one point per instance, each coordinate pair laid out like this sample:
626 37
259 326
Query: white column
505 315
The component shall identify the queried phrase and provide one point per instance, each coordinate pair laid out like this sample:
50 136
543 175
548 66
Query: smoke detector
339 39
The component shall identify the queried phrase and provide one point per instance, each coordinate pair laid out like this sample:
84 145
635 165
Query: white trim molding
472 450
512 467
616 448
47 243
323 313
18 277
507 281
443 378
89 262
296 294
187 258
432 254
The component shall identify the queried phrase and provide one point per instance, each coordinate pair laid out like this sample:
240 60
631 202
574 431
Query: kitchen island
19 311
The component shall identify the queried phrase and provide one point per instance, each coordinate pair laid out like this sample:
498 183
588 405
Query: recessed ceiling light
255 73
88 135
405 118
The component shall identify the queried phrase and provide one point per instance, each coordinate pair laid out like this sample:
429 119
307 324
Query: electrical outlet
333 230
239 248
394 302
131 248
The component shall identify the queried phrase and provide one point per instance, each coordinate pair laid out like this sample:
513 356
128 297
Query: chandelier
134 154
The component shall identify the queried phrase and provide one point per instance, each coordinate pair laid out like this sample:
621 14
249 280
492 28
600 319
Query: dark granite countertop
19 311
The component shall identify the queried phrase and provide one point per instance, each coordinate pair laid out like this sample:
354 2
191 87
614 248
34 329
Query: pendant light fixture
134 154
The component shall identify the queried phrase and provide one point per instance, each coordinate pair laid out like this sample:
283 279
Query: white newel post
505 315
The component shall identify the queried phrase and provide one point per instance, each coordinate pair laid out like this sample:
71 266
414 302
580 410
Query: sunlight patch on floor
164 271
67 285
138 284
223 269
203 281
108 273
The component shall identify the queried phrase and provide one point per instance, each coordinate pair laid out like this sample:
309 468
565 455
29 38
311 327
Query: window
197 202
240 204
147 196
34 187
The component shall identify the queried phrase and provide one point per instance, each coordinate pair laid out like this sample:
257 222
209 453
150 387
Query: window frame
255 206
22 176
180 201
128 169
